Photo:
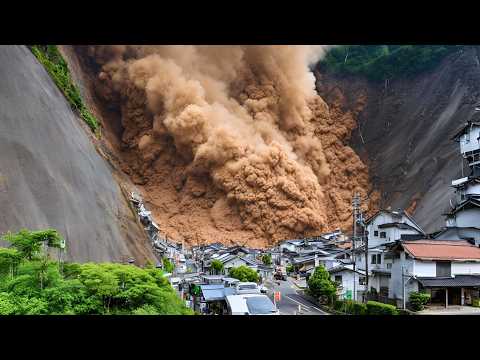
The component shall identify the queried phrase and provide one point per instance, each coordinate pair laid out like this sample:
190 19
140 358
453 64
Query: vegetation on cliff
32 283
380 62
57 67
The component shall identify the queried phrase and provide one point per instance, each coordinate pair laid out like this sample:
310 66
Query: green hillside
380 62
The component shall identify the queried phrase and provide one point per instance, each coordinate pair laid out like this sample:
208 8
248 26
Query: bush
377 308
290 268
418 300
359 309
350 307
57 68
476 302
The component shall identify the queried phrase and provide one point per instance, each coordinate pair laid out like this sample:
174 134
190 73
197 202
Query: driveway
451 310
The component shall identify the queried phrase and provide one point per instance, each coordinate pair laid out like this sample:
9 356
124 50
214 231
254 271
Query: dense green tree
9 261
320 284
39 287
267 259
168 266
29 243
244 273
217 266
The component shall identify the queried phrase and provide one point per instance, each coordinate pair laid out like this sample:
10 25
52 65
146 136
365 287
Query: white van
250 304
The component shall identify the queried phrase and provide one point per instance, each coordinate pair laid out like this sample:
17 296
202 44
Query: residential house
350 283
448 270
463 217
383 228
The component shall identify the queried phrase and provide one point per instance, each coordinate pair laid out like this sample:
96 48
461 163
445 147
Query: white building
463 218
387 226
351 284
383 228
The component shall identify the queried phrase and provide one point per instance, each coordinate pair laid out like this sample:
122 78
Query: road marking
298 302
321 311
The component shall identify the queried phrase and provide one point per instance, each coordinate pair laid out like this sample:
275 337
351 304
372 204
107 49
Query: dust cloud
245 119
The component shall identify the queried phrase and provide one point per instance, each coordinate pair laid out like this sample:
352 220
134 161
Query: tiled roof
457 281
397 225
442 250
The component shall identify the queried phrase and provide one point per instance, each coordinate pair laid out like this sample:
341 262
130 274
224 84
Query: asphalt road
291 302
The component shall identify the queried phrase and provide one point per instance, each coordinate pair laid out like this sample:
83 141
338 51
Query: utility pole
403 287
355 204
365 239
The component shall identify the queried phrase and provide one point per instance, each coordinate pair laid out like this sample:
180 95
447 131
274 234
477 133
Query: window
375 233
444 268
361 280
338 279
383 234
374 259
379 258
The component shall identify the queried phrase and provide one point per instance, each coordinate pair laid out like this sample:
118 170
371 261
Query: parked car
247 288
250 304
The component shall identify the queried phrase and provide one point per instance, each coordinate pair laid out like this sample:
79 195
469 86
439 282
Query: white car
250 304
246 288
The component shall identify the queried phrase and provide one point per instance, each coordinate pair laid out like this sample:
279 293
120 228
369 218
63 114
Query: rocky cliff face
50 172
404 131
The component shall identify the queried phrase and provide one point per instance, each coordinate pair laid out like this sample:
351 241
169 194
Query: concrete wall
469 217
395 285
459 234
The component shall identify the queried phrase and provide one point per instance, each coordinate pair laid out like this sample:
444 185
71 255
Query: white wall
469 217
392 233
473 189
424 268
465 268
348 281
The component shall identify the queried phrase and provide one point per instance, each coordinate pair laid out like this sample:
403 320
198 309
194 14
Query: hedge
418 300
377 308
350 307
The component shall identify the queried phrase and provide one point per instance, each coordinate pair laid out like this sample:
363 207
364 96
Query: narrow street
290 300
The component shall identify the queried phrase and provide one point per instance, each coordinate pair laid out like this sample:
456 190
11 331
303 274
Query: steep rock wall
405 128
50 172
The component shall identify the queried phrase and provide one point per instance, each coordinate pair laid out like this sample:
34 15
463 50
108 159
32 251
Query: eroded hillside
405 130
